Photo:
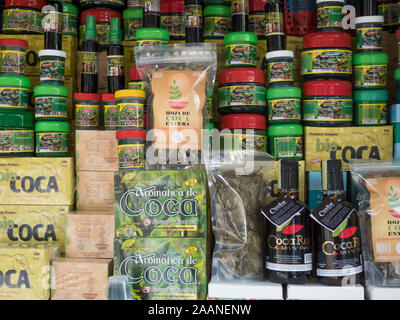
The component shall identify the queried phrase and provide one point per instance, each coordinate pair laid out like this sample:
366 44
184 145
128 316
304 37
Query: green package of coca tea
378 188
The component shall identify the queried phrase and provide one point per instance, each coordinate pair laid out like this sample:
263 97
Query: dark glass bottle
151 14
52 25
368 8
289 248
90 57
193 21
240 15
338 253
274 25
115 58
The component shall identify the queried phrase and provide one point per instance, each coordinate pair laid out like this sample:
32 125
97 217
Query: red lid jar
243 121
33 4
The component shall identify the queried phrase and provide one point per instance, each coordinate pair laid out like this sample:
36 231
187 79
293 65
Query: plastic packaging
14 92
284 105
370 70
52 66
280 68
135 81
240 49
217 21
369 33
50 102
371 107
51 138
133 20
329 15
130 109
23 16
285 141
131 149
13 56
87 111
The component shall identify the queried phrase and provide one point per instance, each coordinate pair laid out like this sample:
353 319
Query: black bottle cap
332 175
289 174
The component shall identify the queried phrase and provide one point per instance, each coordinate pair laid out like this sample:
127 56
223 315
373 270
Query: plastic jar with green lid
369 33
371 107
329 15
240 49
284 105
280 68
131 109
52 66
70 19
87 111
13 56
110 111
133 20
14 92
286 141
131 149
217 21
151 37
50 102
17 138
52 138
370 70
23 16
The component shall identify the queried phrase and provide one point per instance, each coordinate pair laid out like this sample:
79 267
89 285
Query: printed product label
240 7
193 16
130 28
12 61
217 26
390 13
102 31
241 54
369 38
151 43
280 71
329 109
121 2
115 66
370 76
210 108
326 61
70 23
131 156
51 142
54 107
245 142
329 17
22 20
137 85
110 115
14 98
274 23
87 115
134 3
52 70
372 113
175 25
53 22
131 115
90 63
257 24
288 147
151 6
284 109
241 95
16 141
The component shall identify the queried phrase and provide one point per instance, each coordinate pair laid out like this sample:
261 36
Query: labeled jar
131 109
369 33
135 81
134 3
327 103
112 4
285 141
242 90
70 19
131 149
17 138
370 70
51 138
329 15
217 21
50 103
244 132
326 55
13 56
397 78
23 16
151 37
110 111
14 92
240 49
371 107
284 105
133 20
280 68
173 19
389 9
87 111
257 18
52 66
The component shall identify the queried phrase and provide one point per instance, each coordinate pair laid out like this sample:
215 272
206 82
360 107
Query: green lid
50 90
152 34
17 119
90 28
218 11
285 130
15 81
369 58
283 92
397 74
371 95
69 8
133 14
115 35
240 37
52 126
211 126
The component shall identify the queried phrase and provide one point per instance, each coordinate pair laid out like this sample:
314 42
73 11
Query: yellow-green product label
390 13
287 147
245 142
242 54
241 95
51 107
328 110
130 27
280 71
329 17
284 109
110 115
131 115
193 16
12 61
131 156
11 97
150 43
175 25
274 23
20 141
102 30
217 26
70 24
137 85
370 76
369 38
90 62
257 24
87 115
326 61
372 114
53 142
22 20
52 70
115 66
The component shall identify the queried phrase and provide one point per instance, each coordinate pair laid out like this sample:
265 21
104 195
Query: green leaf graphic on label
340 228
175 92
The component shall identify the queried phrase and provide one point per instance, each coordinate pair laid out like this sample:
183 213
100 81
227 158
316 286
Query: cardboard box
151 262
96 150
80 279
89 235
25 270
95 190
37 181
33 224
346 143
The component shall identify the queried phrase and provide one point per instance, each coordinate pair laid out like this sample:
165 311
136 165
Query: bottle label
90 63
53 142
280 71
131 115
193 16
288 147
16 141
328 110
52 70
70 24
282 210
130 27
151 6
246 95
131 156
110 115
115 66
329 17
369 38
12 61
284 109
390 13
240 7
53 22
245 142
175 25
14 98
102 31
257 24
87 115
51 107
375 113
274 23
217 26
326 61
22 20
370 76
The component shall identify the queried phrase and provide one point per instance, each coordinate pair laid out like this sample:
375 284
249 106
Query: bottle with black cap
274 25
337 231
115 57
240 15
194 21
90 57
368 8
52 25
288 230
152 14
